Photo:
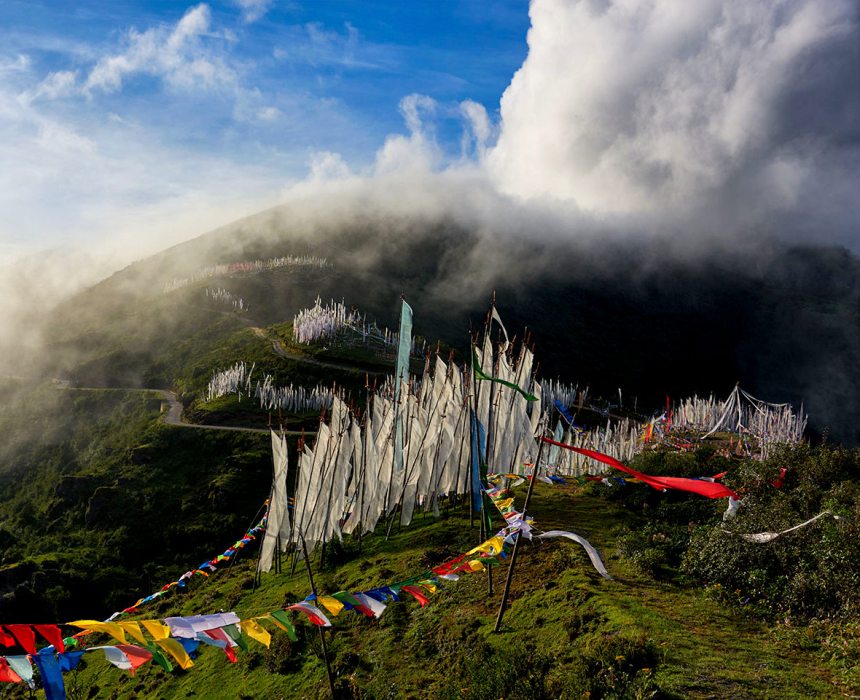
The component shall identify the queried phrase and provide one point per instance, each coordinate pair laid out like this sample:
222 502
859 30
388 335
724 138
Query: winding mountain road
173 413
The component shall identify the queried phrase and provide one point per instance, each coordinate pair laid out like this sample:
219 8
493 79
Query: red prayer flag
417 593
220 635
25 636
315 615
7 675
709 489
6 639
137 656
53 635
779 482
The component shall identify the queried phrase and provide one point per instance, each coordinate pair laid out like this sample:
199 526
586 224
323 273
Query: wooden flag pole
507 590
322 634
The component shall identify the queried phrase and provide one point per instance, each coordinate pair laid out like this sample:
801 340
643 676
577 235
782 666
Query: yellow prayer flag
109 628
428 585
256 631
494 545
133 628
277 623
476 565
177 651
333 605
157 629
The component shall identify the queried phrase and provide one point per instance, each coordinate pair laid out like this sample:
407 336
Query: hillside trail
279 349
173 414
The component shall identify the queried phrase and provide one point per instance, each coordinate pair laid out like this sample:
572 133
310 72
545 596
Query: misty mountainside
631 314
103 502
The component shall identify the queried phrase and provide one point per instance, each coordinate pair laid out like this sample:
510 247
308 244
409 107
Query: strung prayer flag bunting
237 636
217 638
6 639
110 628
157 629
352 603
191 646
68 661
158 657
375 607
137 656
177 651
418 594
330 603
133 628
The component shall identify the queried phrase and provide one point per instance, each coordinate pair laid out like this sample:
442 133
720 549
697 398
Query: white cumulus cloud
740 108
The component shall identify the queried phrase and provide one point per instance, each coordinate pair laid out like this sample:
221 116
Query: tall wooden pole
507 590
322 634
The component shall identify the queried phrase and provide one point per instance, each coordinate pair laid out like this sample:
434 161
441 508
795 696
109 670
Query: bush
810 572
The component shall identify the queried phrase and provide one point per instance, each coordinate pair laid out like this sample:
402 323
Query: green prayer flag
346 597
282 617
237 636
158 657
479 374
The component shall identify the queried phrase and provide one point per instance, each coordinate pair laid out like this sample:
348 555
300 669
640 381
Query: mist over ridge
654 199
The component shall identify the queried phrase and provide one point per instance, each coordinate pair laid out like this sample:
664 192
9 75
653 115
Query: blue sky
119 112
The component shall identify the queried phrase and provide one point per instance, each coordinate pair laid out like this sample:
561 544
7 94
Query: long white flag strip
596 561
761 537
278 522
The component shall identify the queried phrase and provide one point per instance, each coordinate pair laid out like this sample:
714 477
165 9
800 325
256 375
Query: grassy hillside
568 633
102 503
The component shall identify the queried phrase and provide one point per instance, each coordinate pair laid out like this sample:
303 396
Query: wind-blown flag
596 561
760 537
53 635
282 620
52 676
708 489
401 376
417 593
7 675
126 656
21 666
562 409
480 375
25 636
315 615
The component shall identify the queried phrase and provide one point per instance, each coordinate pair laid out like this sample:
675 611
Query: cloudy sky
161 117
132 124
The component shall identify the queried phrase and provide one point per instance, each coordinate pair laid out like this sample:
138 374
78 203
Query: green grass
567 632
